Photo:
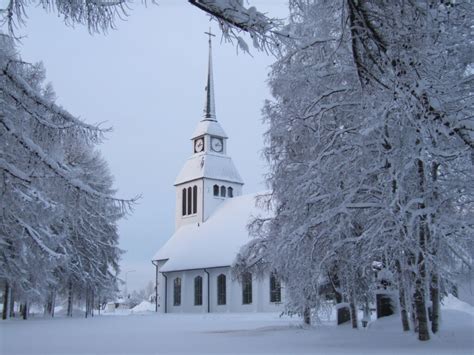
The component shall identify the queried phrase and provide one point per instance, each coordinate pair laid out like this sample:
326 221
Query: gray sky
147 79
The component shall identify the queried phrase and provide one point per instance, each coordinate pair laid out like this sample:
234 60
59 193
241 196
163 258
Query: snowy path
225 334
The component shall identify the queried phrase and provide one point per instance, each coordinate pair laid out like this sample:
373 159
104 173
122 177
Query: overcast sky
146 79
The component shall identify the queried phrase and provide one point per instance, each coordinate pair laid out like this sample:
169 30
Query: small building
193 268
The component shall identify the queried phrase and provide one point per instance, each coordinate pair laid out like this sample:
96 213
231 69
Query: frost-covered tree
370 144
233 16
53 187
370 149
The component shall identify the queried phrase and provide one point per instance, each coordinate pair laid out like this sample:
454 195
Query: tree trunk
403 310
402 298
87 304
6 300
420 309
413 317
435 301
419 296
69 300
307 316
353 308
50 303
420 277
92 304
367 315
25 310
434 285
53 302
12 302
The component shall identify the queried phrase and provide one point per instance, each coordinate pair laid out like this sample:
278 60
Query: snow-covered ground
150 333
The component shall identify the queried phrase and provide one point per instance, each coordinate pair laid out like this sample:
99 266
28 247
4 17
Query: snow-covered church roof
211 127
212 166
213 243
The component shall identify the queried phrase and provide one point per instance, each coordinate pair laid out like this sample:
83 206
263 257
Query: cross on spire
209 106
210 34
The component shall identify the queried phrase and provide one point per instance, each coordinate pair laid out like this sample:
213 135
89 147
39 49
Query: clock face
217 145
198 145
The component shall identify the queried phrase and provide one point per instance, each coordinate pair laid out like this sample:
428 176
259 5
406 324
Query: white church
193 267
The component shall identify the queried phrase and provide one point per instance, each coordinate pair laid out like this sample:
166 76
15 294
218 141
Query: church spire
209 107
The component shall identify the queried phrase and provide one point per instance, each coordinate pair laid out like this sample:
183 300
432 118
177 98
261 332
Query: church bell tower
209 176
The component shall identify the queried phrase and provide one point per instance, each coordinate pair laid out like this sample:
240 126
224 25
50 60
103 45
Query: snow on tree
100 16
370 150
53 187
370 145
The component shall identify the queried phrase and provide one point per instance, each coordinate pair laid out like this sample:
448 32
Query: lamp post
126 282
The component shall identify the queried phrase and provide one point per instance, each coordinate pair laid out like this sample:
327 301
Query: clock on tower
216 144
198 145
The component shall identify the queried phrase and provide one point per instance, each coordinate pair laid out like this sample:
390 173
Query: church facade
193 268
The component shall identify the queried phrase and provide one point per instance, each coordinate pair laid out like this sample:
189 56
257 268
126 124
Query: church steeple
209 106
209 176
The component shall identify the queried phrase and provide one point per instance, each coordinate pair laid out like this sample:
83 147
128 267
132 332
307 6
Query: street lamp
126 282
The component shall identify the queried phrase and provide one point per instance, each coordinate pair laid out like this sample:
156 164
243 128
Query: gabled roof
208 165
213 243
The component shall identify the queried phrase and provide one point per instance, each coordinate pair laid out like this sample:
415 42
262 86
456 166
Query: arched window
230 192
183 200
195 198
247 288
177 292
275 289
198 291
190 197
222 191
216 190
221 290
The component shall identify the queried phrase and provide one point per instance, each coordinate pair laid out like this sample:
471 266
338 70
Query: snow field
251 333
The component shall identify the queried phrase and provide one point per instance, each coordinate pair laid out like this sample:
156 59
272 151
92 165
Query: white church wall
207 203
213 275
160 284
260 293
211 202
264 296
181 220
237 304
187 292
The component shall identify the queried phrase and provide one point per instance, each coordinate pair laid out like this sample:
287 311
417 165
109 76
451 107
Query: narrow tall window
216 190
190 196
183 199
198 291
222 191
221 289
275 289
195 198
177 292
230 192
247 288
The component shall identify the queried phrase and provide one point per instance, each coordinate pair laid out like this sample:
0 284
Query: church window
230 192
221 289
198 291
216 190
275 289
183 200
190 196
222 191
247 288
177 292
195 196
